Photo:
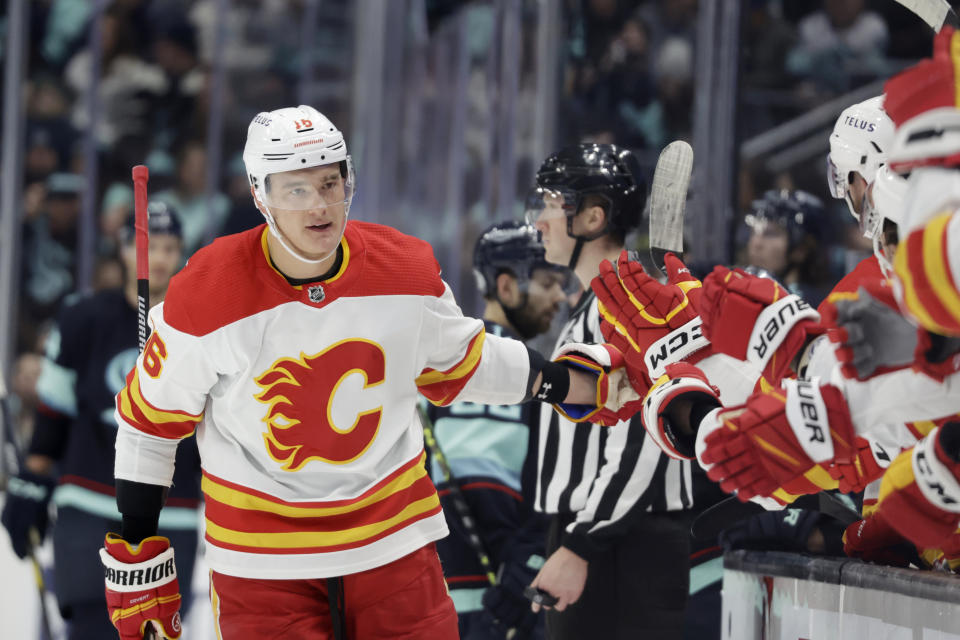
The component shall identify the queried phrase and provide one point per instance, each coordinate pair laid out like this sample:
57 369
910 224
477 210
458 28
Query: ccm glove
778 445
680 380
651 323
27 507
756 320
920 492
141 586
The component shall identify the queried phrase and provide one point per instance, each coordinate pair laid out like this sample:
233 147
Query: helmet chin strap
275 231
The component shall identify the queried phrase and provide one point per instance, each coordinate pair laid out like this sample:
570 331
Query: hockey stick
33 535
668 199
935 13
731 510
141 224
459 502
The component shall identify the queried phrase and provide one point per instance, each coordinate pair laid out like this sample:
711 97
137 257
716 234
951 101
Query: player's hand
563 575
920 492
649 320
27 507
141 587
777 445
617 398
756 320
871 334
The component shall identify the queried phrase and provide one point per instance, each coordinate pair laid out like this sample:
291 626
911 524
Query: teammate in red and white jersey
296 352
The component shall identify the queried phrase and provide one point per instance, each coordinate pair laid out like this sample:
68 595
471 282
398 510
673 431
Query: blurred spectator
840 44
173 113
243 212
188 197
49 253
124 88
766 41
668 117
667 19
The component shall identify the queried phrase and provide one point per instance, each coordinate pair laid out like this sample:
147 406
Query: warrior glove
141 586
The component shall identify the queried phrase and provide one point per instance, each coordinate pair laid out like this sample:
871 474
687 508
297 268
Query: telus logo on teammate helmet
857 123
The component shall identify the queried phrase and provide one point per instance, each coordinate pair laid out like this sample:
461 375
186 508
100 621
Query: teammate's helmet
801 214
507 246
860 141
885 200
294 138
605 170
162 219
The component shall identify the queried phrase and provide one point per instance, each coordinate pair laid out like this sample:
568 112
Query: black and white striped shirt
603 475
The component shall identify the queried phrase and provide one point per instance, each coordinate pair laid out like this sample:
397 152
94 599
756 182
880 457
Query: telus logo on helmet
859 124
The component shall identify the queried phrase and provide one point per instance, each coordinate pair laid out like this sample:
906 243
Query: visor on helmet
310 188
546 203
837 179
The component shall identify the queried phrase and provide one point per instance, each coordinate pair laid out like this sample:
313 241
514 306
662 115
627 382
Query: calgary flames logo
299 393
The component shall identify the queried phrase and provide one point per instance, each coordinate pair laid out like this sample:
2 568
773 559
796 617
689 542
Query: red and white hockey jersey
303 400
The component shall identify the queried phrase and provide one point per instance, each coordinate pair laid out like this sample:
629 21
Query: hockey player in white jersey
296 352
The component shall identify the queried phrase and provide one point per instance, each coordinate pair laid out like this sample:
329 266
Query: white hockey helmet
290 139
860 140
885 200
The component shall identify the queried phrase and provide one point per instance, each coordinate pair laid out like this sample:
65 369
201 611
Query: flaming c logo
299 393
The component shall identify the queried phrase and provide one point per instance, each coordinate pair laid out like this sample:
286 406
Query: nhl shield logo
316 293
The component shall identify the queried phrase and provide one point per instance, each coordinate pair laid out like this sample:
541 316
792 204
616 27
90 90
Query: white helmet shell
931 138
885 200
288 139
860 141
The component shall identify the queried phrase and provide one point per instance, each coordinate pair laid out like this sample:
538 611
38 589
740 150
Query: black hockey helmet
800 213
507 246
162 219
606 170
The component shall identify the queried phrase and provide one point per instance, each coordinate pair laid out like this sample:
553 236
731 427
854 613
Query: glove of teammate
755 319
777 445
651 323
872 336
867 464
920 492
680 379
141 586
617 398
27 507
874 540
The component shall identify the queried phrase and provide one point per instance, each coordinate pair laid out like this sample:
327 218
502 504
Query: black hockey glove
27 507
507 604
786 530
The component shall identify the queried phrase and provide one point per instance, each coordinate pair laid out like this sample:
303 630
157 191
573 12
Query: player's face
309 206
857 186
552 225
544 296
767 248
165 255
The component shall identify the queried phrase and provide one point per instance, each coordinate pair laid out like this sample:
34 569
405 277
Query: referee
618 542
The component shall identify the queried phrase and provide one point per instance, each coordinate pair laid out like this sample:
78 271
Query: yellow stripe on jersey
308 539
239 500
821 477
460 370
934 263
131 403
910 297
